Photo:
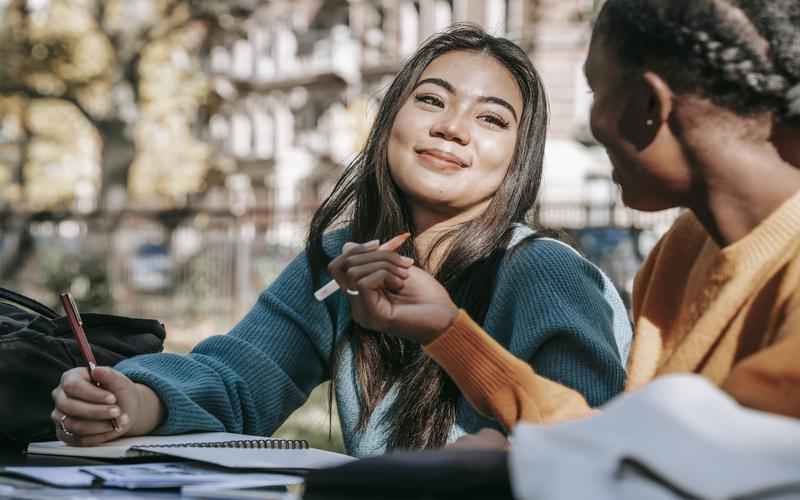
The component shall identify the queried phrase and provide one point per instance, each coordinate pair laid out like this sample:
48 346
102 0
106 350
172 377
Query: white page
119 448
260 459
173 475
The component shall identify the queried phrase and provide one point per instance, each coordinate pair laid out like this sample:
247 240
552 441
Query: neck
432 224
742 188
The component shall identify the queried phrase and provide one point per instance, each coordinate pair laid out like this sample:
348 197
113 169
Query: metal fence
186 265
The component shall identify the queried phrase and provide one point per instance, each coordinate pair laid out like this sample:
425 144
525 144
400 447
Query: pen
76 325
326 290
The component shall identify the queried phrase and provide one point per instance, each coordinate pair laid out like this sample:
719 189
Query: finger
77 383
74 439
80 409
355 274
395 242
112 381
337 266
80 426
378 255
350 247
379 280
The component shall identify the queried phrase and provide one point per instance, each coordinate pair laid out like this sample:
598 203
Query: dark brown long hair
367 198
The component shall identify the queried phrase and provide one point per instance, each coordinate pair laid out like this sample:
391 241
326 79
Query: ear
647 107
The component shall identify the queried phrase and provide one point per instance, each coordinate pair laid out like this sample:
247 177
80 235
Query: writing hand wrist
149 411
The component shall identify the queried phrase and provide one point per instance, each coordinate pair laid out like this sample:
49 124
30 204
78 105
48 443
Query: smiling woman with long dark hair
697 103
454 158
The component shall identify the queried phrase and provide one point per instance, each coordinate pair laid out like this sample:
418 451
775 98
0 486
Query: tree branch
32 93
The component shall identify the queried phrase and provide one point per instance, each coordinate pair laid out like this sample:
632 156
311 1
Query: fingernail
373 243
110 399
114 412
407 260
123 420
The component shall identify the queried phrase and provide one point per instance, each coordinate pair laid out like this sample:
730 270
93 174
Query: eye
495 121
429 99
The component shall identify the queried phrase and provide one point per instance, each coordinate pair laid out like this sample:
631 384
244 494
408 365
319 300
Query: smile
440 160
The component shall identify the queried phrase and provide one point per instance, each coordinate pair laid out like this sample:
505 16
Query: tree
93 91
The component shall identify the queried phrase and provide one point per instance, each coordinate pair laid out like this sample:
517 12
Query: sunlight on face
453 139
650 180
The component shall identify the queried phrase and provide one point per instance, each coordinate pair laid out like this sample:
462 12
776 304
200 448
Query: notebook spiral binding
267 443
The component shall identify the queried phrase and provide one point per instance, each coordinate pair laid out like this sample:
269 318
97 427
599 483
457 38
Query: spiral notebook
219 448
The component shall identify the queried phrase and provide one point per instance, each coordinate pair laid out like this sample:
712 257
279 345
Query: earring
649 122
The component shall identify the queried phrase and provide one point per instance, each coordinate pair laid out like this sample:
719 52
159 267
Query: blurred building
300 83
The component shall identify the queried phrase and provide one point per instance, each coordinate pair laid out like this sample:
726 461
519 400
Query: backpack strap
27 302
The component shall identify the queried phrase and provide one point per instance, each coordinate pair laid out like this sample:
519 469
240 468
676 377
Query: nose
452 126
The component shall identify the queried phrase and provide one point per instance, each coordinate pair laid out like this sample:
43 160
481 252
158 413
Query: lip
439 158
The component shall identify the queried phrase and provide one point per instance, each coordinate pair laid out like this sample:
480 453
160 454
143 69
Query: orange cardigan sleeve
769 380
497 383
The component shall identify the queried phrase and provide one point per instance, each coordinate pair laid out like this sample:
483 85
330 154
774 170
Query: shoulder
333 240
299 268
548 258
558 273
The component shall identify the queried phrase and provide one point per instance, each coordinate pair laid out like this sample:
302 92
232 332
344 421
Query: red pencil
76 325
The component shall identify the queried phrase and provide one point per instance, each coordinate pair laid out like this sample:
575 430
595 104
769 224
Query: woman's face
453 139
653 178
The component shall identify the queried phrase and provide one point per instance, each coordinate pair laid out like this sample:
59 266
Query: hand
394 296
485 439
83 411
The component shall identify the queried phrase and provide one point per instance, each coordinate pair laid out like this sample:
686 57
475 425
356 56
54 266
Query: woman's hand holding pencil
390 246
387 293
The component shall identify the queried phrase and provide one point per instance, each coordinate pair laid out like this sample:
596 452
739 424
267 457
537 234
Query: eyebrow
450 89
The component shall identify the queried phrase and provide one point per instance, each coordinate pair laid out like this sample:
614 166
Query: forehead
475 74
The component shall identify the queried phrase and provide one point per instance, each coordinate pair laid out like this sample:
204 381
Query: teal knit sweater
550 306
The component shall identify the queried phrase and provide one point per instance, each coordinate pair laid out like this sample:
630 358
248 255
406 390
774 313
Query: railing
185 266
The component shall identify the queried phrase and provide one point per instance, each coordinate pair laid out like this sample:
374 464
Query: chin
646 204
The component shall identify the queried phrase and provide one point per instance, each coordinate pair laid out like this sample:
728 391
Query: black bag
37 346
428 474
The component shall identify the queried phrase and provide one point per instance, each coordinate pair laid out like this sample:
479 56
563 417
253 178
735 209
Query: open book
219 448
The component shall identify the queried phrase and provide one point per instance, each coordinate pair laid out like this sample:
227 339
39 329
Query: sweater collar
768 238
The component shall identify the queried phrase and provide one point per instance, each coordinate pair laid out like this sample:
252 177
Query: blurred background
162 158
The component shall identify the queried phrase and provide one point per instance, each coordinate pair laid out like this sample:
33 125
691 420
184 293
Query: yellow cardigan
730 314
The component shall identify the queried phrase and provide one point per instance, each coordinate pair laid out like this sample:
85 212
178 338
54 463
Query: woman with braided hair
697 103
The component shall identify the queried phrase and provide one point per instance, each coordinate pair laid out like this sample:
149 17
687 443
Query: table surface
11 487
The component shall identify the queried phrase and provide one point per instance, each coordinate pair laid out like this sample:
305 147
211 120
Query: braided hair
741 54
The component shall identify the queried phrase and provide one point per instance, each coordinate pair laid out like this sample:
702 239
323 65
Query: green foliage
82 274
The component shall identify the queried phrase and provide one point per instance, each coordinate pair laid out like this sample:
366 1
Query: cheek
399 139
600 125
496 153
404 126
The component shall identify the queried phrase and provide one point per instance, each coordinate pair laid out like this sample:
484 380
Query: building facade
300 83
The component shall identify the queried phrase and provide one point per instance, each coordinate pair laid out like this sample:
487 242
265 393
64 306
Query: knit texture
703 309
550 307
731 315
